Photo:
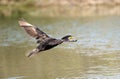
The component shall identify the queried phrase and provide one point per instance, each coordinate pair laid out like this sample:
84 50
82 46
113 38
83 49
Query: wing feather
33 31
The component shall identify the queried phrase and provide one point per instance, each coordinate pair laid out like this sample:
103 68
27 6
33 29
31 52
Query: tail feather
33 52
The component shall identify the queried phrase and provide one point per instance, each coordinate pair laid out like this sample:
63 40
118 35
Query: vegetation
56 8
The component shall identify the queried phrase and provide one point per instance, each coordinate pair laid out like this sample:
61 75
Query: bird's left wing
33 31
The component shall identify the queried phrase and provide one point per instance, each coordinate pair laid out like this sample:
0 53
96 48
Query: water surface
96 54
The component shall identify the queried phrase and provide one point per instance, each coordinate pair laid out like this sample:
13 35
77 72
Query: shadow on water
94 56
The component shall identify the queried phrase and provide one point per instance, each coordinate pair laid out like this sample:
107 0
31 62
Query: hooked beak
72 39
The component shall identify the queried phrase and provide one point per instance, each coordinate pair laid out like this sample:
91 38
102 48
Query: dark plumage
45 42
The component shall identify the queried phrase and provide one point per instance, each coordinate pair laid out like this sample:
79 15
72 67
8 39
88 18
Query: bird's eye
70 37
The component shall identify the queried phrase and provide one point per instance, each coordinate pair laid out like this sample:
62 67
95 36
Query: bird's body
48 44
45 42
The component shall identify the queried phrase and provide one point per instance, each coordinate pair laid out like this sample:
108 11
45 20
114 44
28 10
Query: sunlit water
96 54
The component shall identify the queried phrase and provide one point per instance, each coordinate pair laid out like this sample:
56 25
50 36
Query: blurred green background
56 8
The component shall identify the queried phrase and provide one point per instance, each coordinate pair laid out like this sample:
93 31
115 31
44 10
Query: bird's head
69 38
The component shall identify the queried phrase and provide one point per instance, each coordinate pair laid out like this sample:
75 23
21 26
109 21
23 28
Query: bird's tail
33 52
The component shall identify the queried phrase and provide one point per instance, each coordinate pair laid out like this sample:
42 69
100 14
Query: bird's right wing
33 31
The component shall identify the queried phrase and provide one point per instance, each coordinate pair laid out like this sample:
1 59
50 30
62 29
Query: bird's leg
40 47
33 52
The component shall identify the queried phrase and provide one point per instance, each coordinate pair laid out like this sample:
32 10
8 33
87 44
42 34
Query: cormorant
45 42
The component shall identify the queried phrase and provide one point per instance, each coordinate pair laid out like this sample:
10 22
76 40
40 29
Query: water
96 54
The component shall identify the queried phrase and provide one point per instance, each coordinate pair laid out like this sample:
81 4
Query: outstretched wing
33 31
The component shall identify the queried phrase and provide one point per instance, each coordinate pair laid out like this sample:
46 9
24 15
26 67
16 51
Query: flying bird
44 41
